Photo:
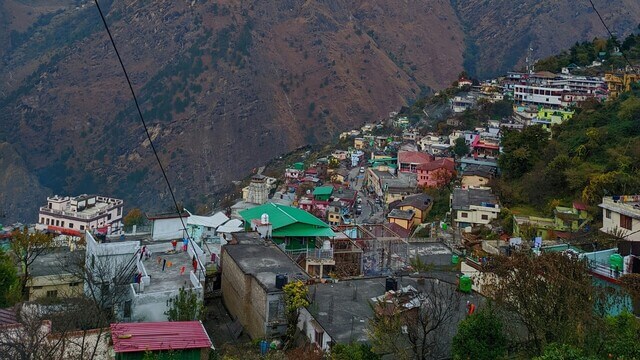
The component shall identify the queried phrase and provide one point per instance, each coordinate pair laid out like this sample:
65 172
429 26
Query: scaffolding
383 251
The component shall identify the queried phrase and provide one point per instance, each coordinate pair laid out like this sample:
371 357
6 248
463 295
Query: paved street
370 211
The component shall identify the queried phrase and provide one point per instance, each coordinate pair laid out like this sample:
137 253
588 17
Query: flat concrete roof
464 198
57 261
170 278
344 309
264 262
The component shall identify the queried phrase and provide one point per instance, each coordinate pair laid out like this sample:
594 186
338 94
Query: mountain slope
224 86
499 32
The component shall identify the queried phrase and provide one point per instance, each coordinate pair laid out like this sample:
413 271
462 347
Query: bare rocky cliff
225 86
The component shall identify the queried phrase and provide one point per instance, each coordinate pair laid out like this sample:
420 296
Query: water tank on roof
281 281
391 284
465 284
615 262
264 219
326 245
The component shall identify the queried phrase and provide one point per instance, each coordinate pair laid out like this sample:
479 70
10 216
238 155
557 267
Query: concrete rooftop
170 278
264 263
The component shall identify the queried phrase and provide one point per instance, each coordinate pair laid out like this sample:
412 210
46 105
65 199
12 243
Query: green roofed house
294 227
322 193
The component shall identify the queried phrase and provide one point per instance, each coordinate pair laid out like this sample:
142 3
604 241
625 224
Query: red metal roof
579 206
64 231
167 335
442 163
414 157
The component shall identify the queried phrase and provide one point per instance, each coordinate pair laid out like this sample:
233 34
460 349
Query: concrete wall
475 214
39 286
480 281
151 306
243 296
612 224
105 260
307 325
167 229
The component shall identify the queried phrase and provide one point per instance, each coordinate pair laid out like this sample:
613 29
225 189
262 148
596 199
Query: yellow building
619 83
56 274
54 286
419 204
402 218
359 143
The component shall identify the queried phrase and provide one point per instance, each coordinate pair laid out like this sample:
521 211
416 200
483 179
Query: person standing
174 243
185 242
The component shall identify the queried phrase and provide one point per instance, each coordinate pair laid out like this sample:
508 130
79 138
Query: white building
84 212
138 288
168 226
474 207
621 216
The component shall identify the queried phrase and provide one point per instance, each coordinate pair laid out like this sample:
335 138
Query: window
108 217
49 205
319 335
464 215
119 211
70 225
625 222
36 287
607 213
485 217
52 293
41 220
81 227
47 221
62 223
57 222
127 309
74 284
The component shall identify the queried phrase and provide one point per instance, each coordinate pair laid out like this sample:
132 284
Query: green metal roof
283 218
323 190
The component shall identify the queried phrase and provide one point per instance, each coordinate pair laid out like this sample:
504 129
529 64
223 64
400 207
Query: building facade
84 212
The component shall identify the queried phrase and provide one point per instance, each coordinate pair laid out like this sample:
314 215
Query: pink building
408 161
436 173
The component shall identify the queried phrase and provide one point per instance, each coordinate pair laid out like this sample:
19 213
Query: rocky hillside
499 32
224 85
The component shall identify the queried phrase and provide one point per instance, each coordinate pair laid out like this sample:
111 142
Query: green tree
27 246
353 351
185 306
561 352
9 282
480 337
295 297
135 216
622 337
460 147
521 150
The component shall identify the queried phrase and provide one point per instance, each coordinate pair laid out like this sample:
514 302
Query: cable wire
146 130
611 34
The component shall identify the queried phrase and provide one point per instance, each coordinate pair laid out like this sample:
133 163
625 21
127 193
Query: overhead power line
146 129
610 34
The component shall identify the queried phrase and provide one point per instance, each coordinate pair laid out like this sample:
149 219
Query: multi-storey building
85 212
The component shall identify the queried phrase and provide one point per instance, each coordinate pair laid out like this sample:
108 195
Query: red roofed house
408 161
484 148
436 173
185 340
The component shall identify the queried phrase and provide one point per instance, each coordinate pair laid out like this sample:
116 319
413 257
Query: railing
320 254
73 214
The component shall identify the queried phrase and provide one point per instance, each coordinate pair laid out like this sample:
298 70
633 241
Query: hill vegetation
584 53
593 154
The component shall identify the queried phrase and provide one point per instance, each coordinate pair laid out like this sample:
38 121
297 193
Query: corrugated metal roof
8 317
150 336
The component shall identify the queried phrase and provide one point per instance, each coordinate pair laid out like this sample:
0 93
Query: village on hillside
396 217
